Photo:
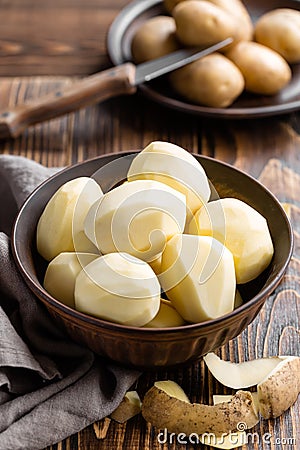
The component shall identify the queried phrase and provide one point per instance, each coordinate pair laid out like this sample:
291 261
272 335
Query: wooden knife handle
93 89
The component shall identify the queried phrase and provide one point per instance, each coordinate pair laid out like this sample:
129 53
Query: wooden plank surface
268 149
55 36
63 39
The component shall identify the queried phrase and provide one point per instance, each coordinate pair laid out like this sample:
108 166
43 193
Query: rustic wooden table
44 44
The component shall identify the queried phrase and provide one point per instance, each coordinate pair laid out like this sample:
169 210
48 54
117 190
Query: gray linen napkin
50 387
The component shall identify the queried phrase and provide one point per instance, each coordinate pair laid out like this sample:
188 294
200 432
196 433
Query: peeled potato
201 23
198 277
238 300
242 229
211 81
264 70
60 227
154 38
172 165
61 274
279 29
156 264
167 316
120 288
137 218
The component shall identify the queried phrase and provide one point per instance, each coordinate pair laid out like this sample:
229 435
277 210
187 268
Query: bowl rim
39 290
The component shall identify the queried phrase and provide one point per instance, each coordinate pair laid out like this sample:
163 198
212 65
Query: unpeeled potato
154 38
200 23
236 9
170 4
264 70
211 81
280 30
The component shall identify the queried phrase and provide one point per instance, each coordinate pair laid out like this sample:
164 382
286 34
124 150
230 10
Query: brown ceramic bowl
147 348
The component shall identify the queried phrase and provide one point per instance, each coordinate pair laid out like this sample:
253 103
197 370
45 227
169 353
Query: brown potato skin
154 38
170 4
280 30
235 8
201 23
264 70
211 81
164 411
280 390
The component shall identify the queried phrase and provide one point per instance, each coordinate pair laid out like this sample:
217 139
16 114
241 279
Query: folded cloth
50 386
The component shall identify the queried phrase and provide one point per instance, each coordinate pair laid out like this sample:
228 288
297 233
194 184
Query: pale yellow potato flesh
129 407
240 375
238 301
277 379
60 227
242 229
172 165
137 218
197 274
156 264
172 389
119 288
62 272
166 317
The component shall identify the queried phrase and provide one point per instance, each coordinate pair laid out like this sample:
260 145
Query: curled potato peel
164 410
277 380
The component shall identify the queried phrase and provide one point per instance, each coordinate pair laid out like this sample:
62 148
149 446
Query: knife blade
119 80
155 68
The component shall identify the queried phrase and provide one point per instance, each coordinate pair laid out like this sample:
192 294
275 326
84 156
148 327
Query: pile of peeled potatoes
257 61
111 254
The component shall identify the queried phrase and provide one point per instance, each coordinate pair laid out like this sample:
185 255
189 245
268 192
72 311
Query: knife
118 80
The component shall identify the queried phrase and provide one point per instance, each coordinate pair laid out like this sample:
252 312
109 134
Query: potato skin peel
280 389
129 407
164 411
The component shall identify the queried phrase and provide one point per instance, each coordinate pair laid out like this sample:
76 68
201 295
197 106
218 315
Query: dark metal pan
246 106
